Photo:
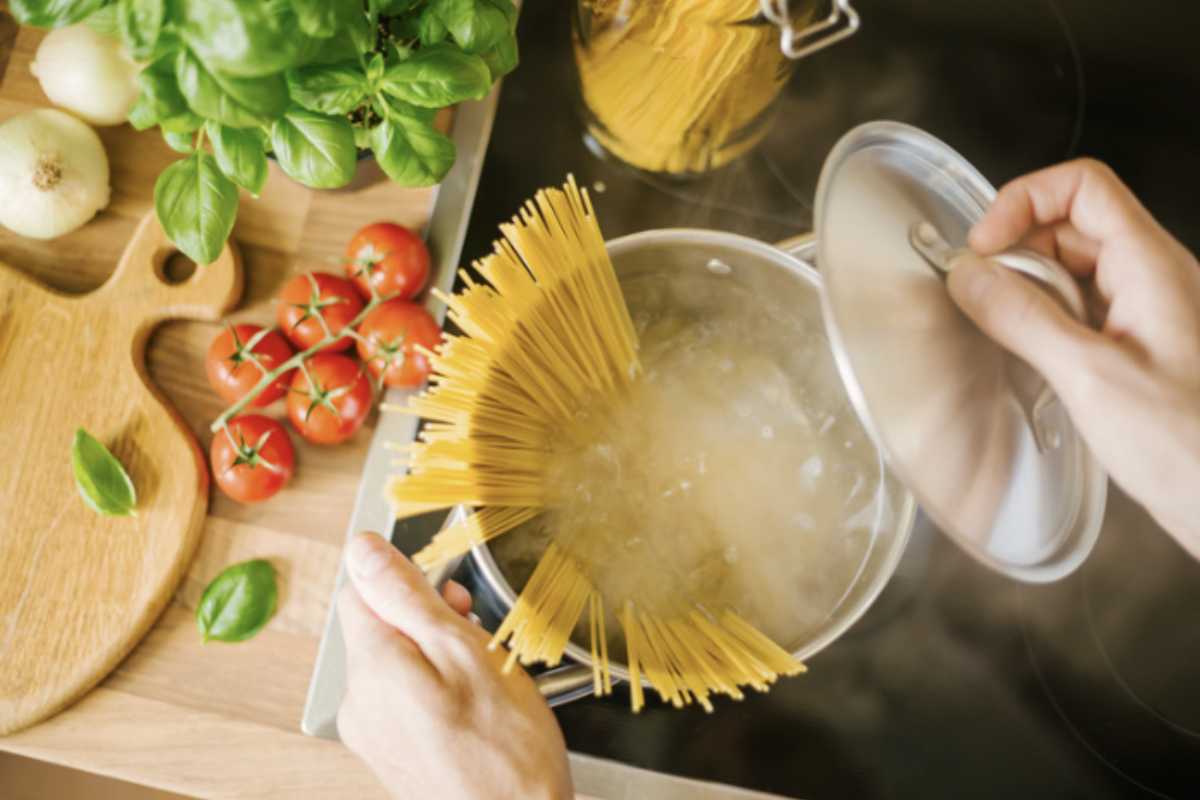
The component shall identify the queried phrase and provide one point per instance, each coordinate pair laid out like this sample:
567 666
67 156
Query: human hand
426 705
1132 388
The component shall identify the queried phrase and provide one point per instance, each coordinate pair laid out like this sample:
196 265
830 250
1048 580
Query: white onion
53 174
87 73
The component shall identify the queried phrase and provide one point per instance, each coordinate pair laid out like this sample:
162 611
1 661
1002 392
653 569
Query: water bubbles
811 469
718 267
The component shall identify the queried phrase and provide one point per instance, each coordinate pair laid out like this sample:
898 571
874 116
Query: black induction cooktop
958 682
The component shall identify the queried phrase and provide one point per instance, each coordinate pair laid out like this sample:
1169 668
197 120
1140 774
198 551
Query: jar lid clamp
841 22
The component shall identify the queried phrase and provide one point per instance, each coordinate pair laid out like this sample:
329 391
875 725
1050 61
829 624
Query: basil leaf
430 29
102 482
180 142
239 102
375 67
140 22
238 603
53 13
315 149
196 206
476 25
437 76
161 103
389 8
104 21
322 18
246 38
328 88
239 154
411 151
503 58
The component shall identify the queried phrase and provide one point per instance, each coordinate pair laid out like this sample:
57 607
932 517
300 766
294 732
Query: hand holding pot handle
426 704
1132 387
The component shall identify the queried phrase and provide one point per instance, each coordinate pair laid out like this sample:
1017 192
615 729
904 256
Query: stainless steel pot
779 273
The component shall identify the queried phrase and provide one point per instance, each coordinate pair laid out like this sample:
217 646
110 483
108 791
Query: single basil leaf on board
503 58
328 88
315 149
247 38
322 18
102 482
53 13
476 25
161 103
411 151
180 142
196 206
239 154
238 603
437 76
140 23
104 21
239 102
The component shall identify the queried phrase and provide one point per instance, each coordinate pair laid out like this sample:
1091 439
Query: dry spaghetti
547 341
678 86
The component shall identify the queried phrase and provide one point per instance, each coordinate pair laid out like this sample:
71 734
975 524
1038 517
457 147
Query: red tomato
390 334
307 299
252 458
238 358
330 398
390 258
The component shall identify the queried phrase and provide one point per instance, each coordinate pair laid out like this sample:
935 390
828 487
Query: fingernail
367 555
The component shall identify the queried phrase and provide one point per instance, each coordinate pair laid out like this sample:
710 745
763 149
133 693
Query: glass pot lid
971 430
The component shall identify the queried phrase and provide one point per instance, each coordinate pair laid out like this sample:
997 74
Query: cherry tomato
252 458
238 358
330 398
390 334
389 257
307 299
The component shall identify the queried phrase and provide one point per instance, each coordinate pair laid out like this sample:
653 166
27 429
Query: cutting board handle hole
177 268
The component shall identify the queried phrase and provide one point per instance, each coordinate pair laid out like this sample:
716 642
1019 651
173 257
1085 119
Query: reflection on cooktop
1110 647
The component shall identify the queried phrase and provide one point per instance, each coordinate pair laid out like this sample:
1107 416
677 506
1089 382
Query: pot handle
560 685
937 252
564 684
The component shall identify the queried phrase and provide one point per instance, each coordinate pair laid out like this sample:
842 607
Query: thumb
395 589
1018 314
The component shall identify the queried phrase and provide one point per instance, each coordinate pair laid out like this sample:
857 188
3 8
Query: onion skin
53 171
87 73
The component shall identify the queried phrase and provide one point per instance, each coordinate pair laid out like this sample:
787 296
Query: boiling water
734 474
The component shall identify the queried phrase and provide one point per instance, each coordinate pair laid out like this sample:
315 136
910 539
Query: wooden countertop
215 720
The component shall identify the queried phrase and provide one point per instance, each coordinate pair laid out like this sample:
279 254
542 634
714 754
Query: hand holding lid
972 430
927 240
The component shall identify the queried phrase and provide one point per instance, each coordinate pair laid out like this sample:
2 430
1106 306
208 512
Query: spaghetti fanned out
546 339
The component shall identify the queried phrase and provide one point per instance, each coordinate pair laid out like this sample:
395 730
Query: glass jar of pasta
681 87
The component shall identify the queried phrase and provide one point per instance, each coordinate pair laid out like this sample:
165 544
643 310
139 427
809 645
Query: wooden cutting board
77 589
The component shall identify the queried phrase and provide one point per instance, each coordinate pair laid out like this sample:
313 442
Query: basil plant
312 82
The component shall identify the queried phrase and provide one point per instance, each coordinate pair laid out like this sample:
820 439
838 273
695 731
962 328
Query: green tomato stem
295 361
